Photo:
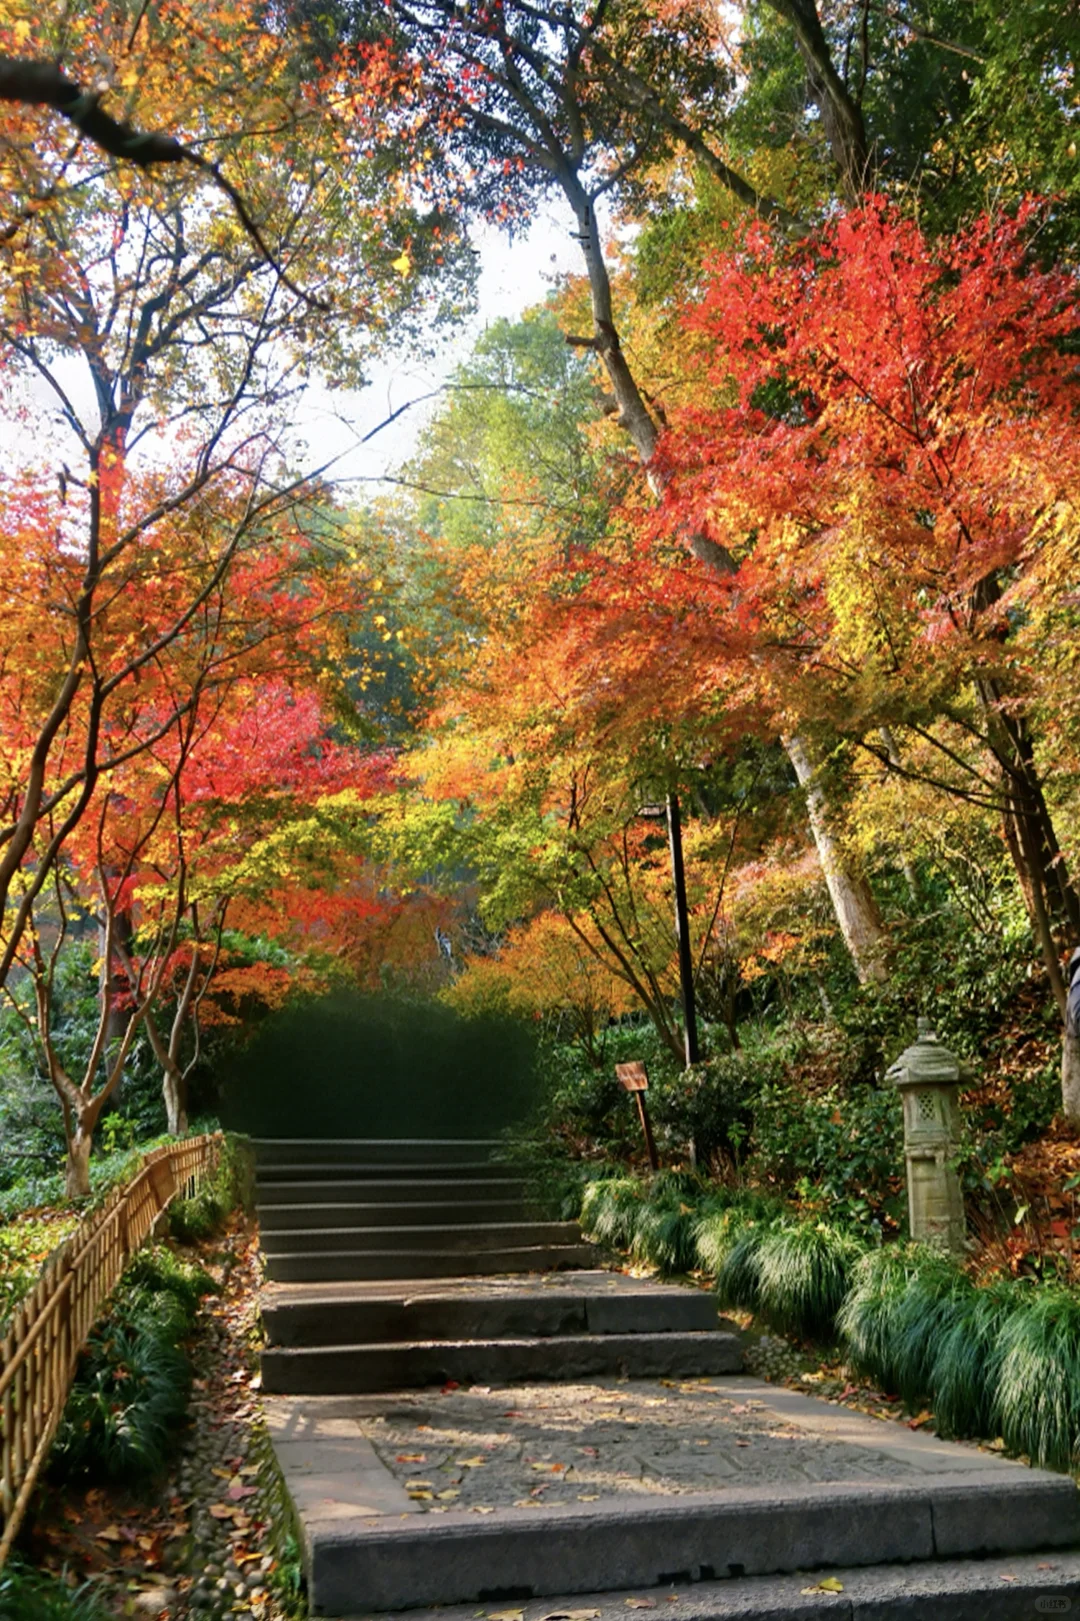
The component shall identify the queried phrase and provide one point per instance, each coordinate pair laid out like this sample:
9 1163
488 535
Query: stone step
403 1190
468 1237
394 1213
336 1167
405 1562
402 1150
361 1369
1003 1589
315 1266
304 1317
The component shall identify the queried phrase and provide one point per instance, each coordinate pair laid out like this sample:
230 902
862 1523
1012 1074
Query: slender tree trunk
856 910
853 902
174 1091
1070 1076
77 1169
841 115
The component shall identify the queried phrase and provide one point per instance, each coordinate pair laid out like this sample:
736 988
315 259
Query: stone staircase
356 1210
396 1265
409 1286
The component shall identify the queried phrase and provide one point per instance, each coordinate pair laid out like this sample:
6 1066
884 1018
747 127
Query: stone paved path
532 1444
428 1465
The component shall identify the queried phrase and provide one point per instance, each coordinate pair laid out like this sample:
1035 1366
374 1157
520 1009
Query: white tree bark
854 904
1070 1076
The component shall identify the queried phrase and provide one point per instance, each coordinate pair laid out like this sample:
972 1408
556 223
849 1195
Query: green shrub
841 1149
133 1380
664 1236
803 1274
935 1296
32 1595
712 1104
867 1318
158 1270
231 1187
131 1390
721 1217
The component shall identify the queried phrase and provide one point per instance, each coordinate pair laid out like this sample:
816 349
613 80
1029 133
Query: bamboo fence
51 1326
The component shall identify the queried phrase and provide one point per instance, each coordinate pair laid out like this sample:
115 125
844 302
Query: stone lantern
928 1077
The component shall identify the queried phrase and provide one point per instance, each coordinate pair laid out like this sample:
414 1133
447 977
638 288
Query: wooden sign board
632 1077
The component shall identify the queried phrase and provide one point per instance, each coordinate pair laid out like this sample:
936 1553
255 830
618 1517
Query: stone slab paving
530 1446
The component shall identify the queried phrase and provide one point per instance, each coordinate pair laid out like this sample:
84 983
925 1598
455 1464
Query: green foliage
967 1357
30 1122
160 1271
133 1379
721 1221
841 1148
1003 1358
231 1187
713 1104
32 1595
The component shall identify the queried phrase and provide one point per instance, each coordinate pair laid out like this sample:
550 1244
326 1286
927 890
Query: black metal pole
682 929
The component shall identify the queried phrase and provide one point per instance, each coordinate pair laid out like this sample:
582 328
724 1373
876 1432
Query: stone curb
1023 1589
400 1365
741 1532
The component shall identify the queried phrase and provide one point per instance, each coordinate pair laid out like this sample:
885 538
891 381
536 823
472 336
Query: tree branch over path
31 82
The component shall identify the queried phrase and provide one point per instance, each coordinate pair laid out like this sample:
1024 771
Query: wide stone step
463 1236
314 1266
1008 1588
401 1150
386 1190
336 1167
356 1369
305 1317
632 1543
394 1213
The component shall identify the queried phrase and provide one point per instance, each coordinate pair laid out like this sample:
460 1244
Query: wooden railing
51 1326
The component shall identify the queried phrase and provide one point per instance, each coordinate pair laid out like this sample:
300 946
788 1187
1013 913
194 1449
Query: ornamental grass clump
967 1358
35 1595
131 1387
738 1277
936 1294
803 1274
867 1318
721 1218
664 1236
1036 1406
610 1208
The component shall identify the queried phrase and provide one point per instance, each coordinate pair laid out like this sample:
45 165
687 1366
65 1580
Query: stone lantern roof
927 1062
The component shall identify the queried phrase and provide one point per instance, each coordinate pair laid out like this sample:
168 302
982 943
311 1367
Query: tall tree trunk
77 1167
841 114
856 910
1070 1046
1070 1076
853 902
174 1091
113 984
